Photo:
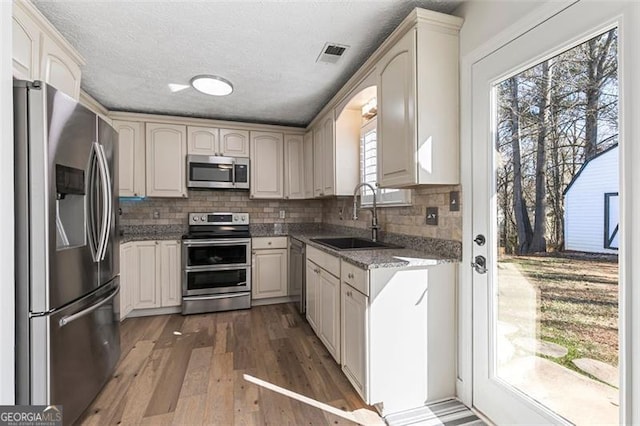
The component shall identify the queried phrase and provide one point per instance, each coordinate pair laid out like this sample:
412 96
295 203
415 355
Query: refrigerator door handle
70 318
106 200
92 222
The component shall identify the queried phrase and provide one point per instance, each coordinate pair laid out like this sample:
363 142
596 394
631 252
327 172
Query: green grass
577 304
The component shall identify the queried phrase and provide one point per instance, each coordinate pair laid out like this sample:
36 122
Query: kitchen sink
351 243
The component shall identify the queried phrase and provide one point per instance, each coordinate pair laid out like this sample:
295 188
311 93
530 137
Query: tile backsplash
174 211
409 220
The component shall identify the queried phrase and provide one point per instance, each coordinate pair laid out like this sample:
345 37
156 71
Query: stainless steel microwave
209 171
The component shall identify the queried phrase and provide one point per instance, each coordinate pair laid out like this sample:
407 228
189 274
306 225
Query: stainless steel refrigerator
67 250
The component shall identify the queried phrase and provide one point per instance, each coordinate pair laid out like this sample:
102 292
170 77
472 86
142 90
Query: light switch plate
432 216
454 201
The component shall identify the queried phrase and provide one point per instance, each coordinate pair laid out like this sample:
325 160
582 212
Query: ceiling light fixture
212 85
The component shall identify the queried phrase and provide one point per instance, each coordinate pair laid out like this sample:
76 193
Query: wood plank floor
188 371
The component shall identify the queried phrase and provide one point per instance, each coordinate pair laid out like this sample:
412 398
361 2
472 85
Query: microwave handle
233 172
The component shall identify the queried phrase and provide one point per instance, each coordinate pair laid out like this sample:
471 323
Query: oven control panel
218 218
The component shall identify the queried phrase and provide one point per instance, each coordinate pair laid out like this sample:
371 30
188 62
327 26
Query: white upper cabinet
26 46
58 69
267 168
234 143
294 163
308 165
166 159
131 158
318 165
202 140
41 53
212 141
418 123
329 155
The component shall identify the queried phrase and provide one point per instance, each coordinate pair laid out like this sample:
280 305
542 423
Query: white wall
7 282
485 19
584 204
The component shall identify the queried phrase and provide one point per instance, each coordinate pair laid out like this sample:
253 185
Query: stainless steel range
216 263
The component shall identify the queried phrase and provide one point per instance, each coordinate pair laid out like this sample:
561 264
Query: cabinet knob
135 194
269 243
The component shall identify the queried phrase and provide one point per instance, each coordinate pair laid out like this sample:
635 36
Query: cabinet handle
350 275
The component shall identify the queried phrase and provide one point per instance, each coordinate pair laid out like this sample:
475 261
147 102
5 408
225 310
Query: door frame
629 185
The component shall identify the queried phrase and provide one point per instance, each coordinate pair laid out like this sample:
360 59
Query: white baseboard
154 311
273 300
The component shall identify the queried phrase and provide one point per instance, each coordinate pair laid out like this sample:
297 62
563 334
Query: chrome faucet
374 210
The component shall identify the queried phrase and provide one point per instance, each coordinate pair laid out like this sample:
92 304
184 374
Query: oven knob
196 218
235 218
203 218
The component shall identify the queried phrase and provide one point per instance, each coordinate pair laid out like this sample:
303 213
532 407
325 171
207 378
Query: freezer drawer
84 347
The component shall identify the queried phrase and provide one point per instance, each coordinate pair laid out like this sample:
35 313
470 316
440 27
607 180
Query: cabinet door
267 168
396 114
269 273
329 296
311 281
169 270
131 161
202 141
58 69
26 46
166 145
353 337
234 143
328 155
127 278
293 167
308 165
318 162
145 288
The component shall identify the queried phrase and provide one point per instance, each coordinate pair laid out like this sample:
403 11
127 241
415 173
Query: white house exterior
591 206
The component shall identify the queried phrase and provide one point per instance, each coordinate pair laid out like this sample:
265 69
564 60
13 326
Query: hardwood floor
188 371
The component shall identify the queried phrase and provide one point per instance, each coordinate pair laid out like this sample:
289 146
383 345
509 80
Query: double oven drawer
216 266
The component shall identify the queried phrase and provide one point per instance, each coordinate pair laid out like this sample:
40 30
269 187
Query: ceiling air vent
331 53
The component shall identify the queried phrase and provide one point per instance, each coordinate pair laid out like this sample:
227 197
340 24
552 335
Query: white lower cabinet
169 267
149 275
323 298
398 334
329 298
269 267
126 279
353 330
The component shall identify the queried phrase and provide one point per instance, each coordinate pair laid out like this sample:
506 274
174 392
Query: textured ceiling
267 49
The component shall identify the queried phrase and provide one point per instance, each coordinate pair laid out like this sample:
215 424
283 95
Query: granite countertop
375 258
421 253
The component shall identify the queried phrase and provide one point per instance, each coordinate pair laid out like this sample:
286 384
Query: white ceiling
267 49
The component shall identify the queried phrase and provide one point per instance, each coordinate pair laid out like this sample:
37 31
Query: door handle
480 265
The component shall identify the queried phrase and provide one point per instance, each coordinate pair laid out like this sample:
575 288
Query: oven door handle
213 268
221 296
217 242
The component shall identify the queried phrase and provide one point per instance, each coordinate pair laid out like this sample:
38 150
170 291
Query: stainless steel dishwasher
297 283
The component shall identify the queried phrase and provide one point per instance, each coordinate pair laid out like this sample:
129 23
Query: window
369 171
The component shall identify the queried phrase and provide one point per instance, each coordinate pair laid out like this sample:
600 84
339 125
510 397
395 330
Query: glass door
546 202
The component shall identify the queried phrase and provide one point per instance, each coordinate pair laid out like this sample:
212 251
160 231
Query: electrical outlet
454 201
282 214
156 214
432 216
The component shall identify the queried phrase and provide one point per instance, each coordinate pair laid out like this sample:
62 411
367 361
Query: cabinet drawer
355 277
269 243
326 261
